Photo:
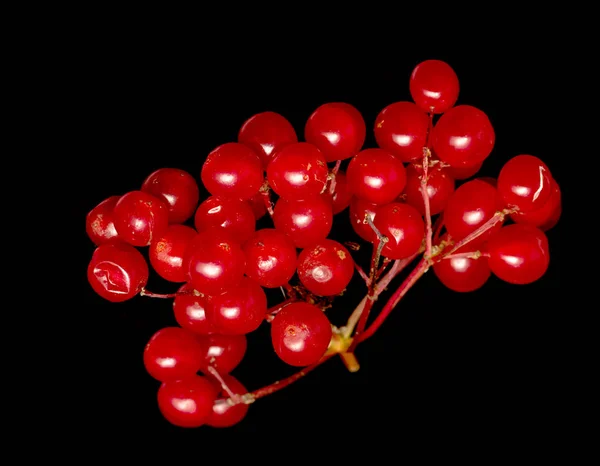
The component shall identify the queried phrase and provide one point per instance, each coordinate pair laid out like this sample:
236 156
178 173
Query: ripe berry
376 176
187 402
266 132
190 311
358 209
223 352
403 225
434 86
305 222
297 171
232 170
173 353
547 216
440 187
223 414
525 182
401 129
167 252
519 254
233 215
117 271
326 268
257 203
177 188
341 194
462 173
139 217
300 333
463 136
270 258
337 129
99 223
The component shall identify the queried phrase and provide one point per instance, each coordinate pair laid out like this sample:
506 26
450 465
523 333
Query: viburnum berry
326 268
525 182
404 228
177 188
440 186
189 309
270 257
306 221
434 86
223 413
223 352
167 252
99 223
463 173
187 402
233 215
545 217
139 217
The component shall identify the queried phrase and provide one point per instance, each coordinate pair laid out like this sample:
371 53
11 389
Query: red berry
326 268
99 223
190 311
139 217
270 258
434 86
305 222
463 136
257 204
376 176
117 271
233 215
462 173
519 254
297 171
525 182
403 225
240 310
173 353
401 129
440 187
341 194
215 262
337 129
188 402
545 217
266 132
167 252
223 352
300 333
177 188
358 209
232 170
223 414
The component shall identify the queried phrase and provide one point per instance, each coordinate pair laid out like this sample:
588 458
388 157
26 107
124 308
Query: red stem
334 172
151 294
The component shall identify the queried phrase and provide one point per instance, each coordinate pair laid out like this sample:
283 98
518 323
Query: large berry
177 188
139 217
187 402
434 86
326 268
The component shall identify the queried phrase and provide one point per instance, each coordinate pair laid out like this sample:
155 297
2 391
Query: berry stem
151 294
235 398
333 176
460 255
265 191
424 193
361 272
437 228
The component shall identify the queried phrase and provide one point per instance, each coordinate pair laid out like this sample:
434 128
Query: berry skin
300 333
305 222
525 182
233 215
440 187
117 271
401 129
187 402
223 352
434 86
99 224
177 189
337 129
547 216
326 268
519 254
358 210
265 133
463 173
298 171
270 258
139 217
463 136
257 204
376 176
223 414
403 225
232 170
167 252
190 311
173 353
341 194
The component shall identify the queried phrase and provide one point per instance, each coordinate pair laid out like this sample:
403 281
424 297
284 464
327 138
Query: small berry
187 402
177 188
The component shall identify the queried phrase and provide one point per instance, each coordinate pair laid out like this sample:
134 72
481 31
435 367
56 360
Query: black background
448 361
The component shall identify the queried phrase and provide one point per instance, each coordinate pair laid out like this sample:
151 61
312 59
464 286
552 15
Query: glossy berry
358 210
300 333
99 223
215 262
547 216
403 225
519 254
297 171
340 199
257 203
266 132
440 187
117 271
177 188
337 129
223 352
305 222
376 176
463 136
434 86
139 217
463 173
525 182
270 258
232 215
326 268
232 170
401 129
187 402
167 252
173 353
190 311
224 414
240 310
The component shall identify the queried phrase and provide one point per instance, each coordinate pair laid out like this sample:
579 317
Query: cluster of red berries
223 264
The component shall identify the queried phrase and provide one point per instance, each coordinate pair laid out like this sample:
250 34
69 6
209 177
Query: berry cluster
223 263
